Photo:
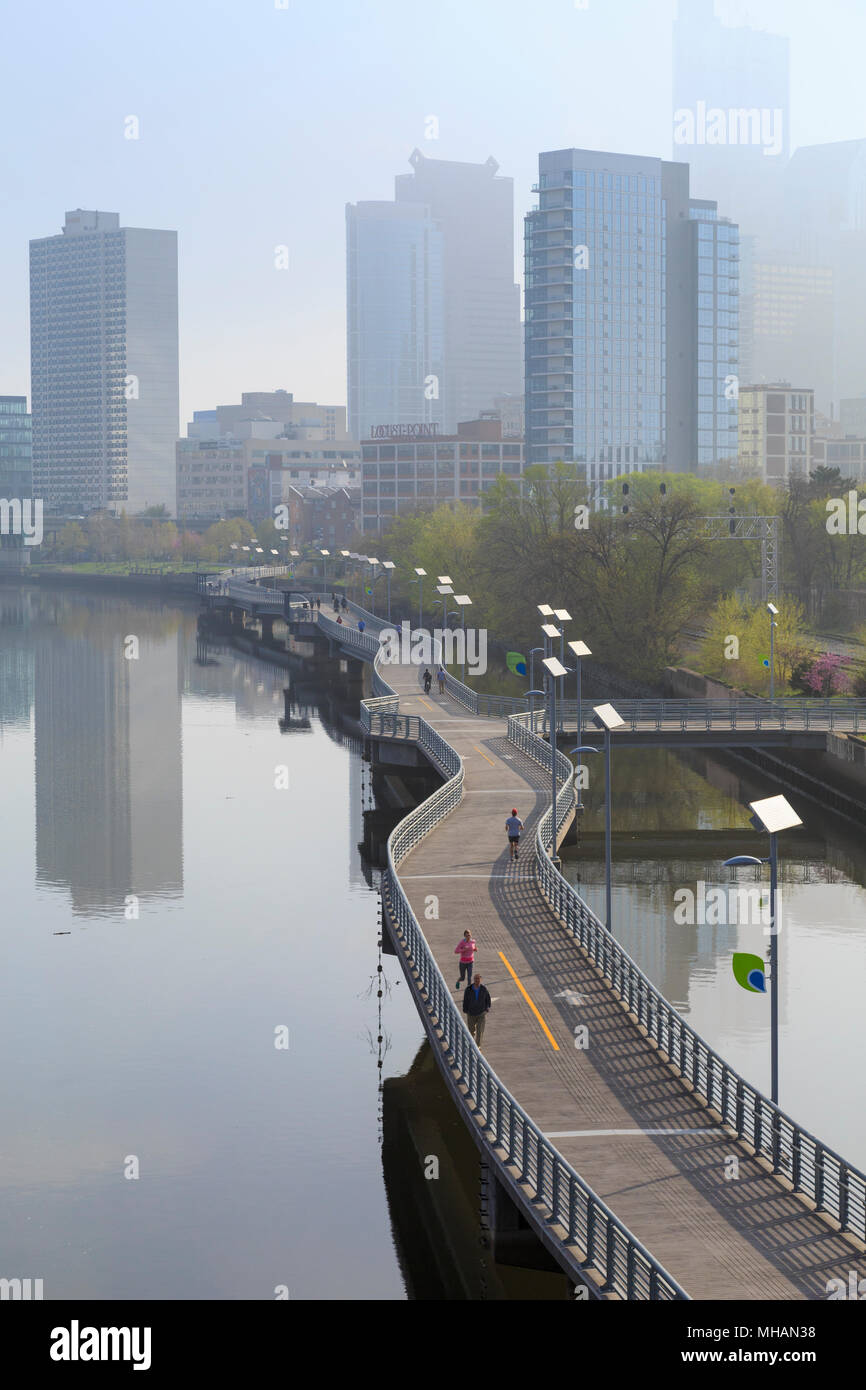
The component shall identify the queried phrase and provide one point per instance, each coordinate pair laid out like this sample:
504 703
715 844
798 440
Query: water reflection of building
16 660
107 752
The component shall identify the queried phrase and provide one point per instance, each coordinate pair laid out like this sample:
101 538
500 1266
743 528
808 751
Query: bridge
646 1166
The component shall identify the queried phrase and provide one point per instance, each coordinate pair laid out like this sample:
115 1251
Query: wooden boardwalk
630 1127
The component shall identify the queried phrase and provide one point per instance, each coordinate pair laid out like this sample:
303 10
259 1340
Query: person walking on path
361 624
440 676
513 826
465 949
476 1006
318 605
428 680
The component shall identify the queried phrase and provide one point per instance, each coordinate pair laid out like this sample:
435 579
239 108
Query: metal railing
833 1184
626 1266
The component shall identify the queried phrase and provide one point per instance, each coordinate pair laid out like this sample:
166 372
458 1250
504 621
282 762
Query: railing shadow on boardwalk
782 1229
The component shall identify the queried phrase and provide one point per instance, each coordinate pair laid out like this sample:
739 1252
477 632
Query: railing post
795 1160
819 1179
631 1261
741 1107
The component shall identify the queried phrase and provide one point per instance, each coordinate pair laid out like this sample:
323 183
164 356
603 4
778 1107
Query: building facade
402 474
433 310
104 365
211 479
269 414
777 430
631 318
731 113
16 474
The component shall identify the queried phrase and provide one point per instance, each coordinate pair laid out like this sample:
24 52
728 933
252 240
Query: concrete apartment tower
433 308
104 365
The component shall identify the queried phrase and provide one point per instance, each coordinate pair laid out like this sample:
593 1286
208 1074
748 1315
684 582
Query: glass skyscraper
394 316
715 246
104 365
16 471
433 307
614 319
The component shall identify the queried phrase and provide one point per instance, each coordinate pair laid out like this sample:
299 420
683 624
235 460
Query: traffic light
625 494
663 488
732 511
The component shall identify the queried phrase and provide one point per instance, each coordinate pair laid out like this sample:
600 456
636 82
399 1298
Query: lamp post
324 554
422 574
555 670
550 631
388 566
447 613
606 718
774 613
530 693
465 602
580 650
771 815
373 560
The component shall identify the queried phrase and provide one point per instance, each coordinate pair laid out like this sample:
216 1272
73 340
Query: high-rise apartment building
16 476
631 318
104 360
433 307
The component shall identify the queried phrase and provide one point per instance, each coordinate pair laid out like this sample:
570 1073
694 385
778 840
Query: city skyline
242 319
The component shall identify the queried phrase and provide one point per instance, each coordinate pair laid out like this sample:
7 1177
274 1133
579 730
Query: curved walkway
626 1122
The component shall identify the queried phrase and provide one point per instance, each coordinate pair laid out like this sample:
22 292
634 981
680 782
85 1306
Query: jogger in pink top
465 949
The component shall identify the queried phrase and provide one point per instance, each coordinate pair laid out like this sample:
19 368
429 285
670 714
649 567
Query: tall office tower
104 360
16 478
631 318
731 113
394 317
433 308
825 221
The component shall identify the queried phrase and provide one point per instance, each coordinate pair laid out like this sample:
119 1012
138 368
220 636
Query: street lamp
446 614
771 815
445 579
550 631
530 693
324 554
373 560
580 650
465 602
422 574
774 613
606 718
555 669
388 566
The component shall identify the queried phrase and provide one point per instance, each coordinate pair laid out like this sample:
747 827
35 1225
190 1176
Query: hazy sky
258 125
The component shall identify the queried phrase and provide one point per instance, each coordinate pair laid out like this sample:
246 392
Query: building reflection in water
108 764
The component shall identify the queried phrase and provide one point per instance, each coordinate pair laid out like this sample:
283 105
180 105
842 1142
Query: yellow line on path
426 703
550 1038
483 754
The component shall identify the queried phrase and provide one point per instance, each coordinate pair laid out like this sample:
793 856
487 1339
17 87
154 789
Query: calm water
154 1037
167 908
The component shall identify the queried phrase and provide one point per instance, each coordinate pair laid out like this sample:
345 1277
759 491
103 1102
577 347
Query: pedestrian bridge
614 1128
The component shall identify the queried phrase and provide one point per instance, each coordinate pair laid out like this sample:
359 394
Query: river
205 1096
